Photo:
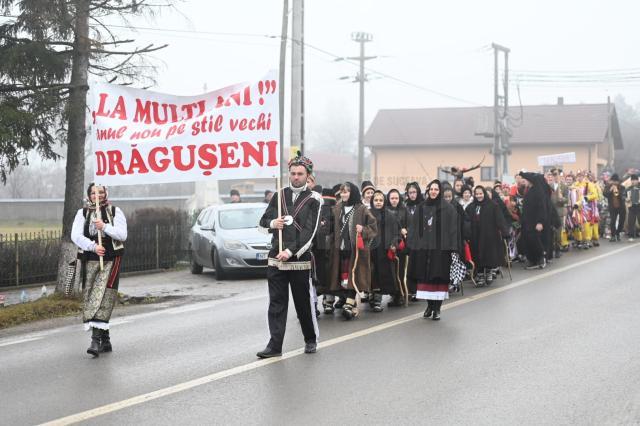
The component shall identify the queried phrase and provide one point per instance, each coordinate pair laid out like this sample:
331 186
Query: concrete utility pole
281 72
297 74
501 149
362 38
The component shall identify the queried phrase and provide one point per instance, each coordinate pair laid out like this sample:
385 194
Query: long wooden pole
280 195
96 195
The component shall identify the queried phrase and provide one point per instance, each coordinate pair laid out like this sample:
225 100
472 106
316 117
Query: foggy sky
442 46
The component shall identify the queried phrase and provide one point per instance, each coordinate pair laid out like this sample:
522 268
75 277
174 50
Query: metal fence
29 258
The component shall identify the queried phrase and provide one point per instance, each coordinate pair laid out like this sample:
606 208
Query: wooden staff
403 294
280 194
508 258
353 274
99 217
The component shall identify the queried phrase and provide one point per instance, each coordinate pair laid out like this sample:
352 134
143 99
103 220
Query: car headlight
234 245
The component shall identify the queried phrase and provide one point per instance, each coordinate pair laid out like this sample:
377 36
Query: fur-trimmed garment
360 216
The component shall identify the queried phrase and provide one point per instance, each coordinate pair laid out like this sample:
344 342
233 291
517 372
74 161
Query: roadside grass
55 306
44 308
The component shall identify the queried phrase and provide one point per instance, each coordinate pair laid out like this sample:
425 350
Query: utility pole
500 131
362 38
297 74
281 72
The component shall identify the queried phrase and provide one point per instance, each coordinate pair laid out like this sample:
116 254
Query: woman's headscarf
89 204
388 197
354 194
433 201
419 198
484 191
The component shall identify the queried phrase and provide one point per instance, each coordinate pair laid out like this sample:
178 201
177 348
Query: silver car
226 237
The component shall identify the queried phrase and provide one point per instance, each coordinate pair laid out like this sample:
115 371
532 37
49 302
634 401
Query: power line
311 46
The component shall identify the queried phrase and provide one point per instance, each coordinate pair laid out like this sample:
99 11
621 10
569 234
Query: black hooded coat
434 233
486 232
384 271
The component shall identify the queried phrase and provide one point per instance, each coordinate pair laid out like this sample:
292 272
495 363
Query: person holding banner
99 230
289 261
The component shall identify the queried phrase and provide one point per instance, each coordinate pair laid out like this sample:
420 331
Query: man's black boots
105 342
94 349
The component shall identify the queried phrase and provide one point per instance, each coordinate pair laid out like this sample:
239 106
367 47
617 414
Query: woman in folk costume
385 265
575 217
322 250
353 231
434 237
467 197
486 232
448 195
413 199
100 282
367 189
397 208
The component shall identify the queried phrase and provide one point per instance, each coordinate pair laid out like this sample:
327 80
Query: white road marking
140 399
15 342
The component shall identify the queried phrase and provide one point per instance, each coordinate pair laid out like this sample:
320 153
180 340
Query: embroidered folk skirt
100 292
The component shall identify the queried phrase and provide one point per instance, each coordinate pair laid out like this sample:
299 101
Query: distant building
416 144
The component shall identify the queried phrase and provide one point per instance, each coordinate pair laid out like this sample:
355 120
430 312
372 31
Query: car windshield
240 218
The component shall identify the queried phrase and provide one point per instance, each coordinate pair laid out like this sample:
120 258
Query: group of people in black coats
418 245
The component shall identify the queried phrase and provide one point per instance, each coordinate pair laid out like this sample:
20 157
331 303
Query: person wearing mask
616 195
633 201
559 203
434 237
353 232
590 196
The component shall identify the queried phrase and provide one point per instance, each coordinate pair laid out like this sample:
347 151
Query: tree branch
147 49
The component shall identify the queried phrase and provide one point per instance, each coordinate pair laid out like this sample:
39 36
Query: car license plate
261 256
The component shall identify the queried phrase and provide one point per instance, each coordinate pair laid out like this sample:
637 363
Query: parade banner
139 136
557 159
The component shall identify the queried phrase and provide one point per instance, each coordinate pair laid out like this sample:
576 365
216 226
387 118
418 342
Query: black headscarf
354 195
388 197
433 201
435 226
486 195
419 199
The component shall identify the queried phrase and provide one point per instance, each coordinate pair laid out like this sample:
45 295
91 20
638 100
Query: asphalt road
559 346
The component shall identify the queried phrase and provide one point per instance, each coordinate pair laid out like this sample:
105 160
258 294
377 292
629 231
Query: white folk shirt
117 230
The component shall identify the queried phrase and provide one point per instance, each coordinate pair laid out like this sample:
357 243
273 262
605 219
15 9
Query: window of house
442 176
486 174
